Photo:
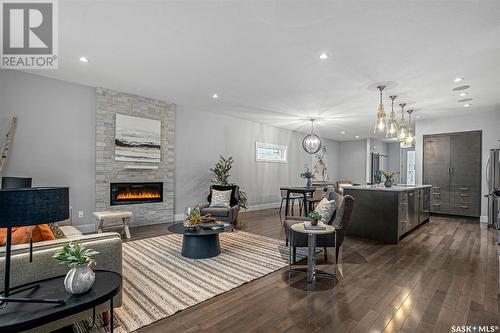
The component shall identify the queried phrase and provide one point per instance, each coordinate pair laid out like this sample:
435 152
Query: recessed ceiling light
323 56
357 136
343 132
215 96
84 59
418 117
464 94
467 105
458 79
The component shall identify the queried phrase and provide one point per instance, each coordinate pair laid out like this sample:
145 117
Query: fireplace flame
138 195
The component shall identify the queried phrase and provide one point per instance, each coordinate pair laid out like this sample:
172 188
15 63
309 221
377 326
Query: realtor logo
29 34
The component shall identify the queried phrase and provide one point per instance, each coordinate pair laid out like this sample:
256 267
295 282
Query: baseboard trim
483 219
262 206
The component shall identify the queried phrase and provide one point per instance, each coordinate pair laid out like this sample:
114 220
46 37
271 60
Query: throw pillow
220 199
21 235
58 233
326 209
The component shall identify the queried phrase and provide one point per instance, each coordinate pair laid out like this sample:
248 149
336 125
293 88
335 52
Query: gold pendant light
403 130
380 123
392 124
410 136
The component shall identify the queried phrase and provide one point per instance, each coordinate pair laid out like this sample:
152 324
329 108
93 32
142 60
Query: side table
17 317
311 252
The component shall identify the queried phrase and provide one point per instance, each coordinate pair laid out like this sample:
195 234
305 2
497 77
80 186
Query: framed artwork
137 139
320 162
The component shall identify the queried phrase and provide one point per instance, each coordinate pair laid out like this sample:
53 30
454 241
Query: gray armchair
229 214
339 220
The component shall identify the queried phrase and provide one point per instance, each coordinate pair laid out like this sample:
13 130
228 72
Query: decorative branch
8 141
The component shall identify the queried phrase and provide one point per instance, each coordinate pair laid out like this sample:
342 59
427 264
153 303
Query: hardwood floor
445 273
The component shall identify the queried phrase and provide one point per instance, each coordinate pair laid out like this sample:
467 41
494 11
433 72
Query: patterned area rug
158 281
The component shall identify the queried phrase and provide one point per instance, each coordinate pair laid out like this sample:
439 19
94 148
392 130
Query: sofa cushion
326 208
220 199
215 211
70 231
21 235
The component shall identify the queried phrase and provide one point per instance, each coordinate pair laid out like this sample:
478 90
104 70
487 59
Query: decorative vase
314 222
388 183
308 183
79 279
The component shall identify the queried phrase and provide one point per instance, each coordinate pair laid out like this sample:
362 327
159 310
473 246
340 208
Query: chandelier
403 127
380 123
392 124
311 142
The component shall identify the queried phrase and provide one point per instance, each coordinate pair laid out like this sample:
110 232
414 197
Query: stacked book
309 226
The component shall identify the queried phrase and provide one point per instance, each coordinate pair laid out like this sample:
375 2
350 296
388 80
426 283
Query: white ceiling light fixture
357 136
323 56
84 60
215 96
311 142
467 105
464 94
458 79
343 132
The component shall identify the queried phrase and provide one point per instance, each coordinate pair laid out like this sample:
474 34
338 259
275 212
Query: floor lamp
27 207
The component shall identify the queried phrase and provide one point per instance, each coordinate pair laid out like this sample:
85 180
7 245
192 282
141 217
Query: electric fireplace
135 193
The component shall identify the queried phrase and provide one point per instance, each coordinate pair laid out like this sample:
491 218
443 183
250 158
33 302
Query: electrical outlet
80 214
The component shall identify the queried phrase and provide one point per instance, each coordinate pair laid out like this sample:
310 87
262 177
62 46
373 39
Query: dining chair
318 194
292 199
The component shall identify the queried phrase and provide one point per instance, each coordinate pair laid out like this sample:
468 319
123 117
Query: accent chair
229 214
339 220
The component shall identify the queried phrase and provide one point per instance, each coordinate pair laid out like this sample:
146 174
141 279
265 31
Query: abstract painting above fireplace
135 193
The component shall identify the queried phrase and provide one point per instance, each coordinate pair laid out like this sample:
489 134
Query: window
410 167
267 152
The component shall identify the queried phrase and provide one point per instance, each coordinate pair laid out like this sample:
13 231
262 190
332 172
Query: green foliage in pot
315 216
221 177
74 255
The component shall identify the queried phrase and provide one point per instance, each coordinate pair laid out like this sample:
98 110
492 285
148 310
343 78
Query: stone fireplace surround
108 104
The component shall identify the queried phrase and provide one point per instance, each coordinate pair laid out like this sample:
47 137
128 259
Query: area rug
159 282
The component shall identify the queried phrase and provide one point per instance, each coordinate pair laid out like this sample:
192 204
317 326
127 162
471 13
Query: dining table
304 191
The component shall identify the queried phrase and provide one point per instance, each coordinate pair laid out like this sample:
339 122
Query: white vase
79 280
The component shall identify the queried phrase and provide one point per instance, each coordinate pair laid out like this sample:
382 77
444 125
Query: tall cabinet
452 165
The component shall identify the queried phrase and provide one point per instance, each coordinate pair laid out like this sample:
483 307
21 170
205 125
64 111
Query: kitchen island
387 214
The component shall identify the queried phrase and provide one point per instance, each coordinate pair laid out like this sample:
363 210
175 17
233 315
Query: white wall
54 140
488 122
201 137
394 160
353 161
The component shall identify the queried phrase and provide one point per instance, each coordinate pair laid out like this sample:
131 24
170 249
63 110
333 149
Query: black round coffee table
17 317
200 243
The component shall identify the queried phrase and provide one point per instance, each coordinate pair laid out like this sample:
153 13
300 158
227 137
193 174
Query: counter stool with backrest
339 220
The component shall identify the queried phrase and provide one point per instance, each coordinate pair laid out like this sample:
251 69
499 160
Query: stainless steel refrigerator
493 180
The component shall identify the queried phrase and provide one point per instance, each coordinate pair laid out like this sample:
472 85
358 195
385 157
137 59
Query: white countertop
381 187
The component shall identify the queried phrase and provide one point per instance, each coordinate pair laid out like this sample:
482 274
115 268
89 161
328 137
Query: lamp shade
32 206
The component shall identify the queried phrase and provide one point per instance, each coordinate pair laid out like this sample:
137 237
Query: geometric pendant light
311 142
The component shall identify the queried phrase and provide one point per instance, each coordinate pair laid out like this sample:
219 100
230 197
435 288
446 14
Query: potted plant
388 178
308 175
80 277
315 217
193 219
221 173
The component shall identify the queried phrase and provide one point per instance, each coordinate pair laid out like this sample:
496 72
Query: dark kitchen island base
387 214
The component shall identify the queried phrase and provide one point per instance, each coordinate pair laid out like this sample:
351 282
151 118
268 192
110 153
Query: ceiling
262 57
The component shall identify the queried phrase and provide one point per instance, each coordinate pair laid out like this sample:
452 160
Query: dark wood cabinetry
452 165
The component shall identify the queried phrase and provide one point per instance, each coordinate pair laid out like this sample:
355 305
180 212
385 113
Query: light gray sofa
109 246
